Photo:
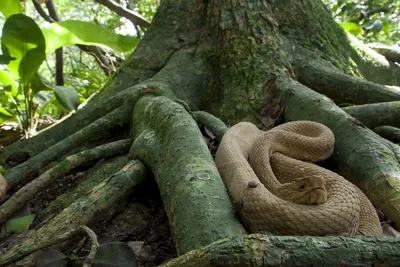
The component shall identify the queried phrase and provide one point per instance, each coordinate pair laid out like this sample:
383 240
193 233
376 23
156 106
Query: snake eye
302 187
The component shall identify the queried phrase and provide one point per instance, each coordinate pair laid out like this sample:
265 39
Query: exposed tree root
214 124
35 165
92 178
373 66
26 193
392 53
390 132
81 212
374 115
25 251
362 156
326 79
259 250
168 140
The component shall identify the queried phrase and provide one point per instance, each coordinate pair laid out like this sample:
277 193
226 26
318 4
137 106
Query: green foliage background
370 21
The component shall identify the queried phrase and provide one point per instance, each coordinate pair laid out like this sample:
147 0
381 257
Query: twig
124 12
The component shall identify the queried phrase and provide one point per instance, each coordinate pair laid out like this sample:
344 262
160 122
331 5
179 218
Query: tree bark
168 140
259 250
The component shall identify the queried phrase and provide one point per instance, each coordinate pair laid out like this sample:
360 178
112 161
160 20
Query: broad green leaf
67 96
23 39
352 28
8 82
19 225
10 7
51 258
6 59
80 32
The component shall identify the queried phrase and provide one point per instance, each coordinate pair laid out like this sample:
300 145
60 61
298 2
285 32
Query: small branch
378 10
41 12
52 10
93 248
371 12
98 54
126 13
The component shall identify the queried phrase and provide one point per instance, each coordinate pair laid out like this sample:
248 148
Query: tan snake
311 201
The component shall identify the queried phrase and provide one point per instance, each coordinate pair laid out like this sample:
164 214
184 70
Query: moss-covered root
101 199
168 140
96 175
324 78
374 115
55 240
390 132
34 165
26 193
391 53
258 250
363 157
214 124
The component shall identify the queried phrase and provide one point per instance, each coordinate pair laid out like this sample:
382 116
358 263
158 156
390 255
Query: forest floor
142 224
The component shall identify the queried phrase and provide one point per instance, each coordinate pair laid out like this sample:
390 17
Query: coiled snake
311 201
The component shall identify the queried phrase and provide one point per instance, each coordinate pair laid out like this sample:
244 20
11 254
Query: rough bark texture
374 115
258 250
168 140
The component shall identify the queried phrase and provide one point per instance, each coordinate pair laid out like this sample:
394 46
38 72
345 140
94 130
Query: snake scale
271 173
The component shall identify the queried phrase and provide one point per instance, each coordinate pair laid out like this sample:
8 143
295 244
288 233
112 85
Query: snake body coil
254 163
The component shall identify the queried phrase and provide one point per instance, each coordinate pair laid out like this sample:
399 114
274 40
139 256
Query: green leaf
67 96
6 59
19 225
10 7
23 40
352 28
80 32
5 115
114 254
51 258
4 112
8 83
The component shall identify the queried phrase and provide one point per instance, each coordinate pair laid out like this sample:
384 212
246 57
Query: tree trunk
239 60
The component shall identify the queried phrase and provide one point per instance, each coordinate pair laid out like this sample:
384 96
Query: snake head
309 190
